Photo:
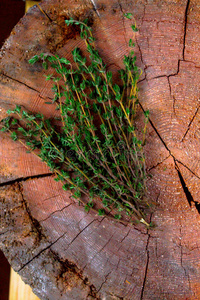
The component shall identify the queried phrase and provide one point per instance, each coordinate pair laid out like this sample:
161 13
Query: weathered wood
58 249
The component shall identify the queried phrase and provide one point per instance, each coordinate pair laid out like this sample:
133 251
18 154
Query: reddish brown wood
61 251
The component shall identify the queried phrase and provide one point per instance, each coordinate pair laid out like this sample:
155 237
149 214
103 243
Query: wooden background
10 13
11 285
61 251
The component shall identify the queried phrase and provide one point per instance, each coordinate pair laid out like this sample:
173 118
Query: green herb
97 151
128 16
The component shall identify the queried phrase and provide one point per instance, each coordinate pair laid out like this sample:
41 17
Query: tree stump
61 251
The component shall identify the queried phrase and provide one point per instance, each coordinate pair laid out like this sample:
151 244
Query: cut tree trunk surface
57 248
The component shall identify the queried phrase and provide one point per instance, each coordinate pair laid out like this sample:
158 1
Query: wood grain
61 251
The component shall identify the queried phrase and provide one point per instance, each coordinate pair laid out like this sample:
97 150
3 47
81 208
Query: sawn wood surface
63 252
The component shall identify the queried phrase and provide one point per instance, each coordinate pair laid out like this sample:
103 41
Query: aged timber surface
57 248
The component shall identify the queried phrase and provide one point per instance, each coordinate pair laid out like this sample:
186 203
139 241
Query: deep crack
22 179
185 26
184 186
146 269
188 195
187 168
18 81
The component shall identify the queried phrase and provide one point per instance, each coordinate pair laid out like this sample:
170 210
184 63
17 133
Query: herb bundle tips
96 152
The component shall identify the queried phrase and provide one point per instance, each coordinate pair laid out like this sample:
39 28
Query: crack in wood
156 131
180 175
70 266
181 258
99 251
146 268
187 168
177 72
159 163
185 26
43 250
56 211
125 237
35 224
51 244
44 13
188 194
18 81
184 40
185 188
80 233
183 184
144 12
141 57
189 125
106 277
23 179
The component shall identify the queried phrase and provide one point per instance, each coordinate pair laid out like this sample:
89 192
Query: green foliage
97 152
128 16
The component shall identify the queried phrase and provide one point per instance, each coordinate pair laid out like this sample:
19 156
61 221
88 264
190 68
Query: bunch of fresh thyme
96 152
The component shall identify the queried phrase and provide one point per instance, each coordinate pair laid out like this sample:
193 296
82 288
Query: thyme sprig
96 151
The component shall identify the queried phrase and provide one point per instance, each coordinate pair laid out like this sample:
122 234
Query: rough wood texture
58 249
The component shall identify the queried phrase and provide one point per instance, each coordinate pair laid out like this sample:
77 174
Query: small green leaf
45 65
14 122
9 111
86 208
65 187
128 16
3 129
131 43
14 136
18 108
134 28
33 60
64 61
146 113
118 217
101 212
90 204
49 77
